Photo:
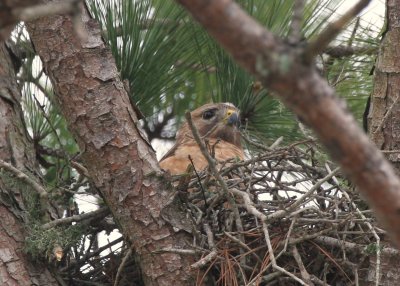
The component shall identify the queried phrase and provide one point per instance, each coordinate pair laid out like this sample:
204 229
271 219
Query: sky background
373 14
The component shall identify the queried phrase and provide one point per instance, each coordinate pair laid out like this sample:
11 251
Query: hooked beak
232 117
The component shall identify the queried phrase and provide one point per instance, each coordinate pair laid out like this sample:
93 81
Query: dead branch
302 89
318 45
97 214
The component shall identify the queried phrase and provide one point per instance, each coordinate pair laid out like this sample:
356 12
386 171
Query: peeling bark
284 70
384 124
384 113
15 266
119 159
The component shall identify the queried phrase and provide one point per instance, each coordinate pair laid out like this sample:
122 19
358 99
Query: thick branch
118 159
281 69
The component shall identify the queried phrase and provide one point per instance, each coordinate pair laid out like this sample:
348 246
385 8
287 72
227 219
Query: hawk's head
214 120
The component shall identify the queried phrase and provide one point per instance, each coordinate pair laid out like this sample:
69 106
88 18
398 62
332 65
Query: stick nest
283 217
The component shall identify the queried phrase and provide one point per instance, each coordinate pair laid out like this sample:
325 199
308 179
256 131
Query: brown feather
221 128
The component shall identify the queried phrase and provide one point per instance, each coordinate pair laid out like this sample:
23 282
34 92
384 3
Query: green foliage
149 40
40 243
43 119
30 197
351 76
372 248
173 65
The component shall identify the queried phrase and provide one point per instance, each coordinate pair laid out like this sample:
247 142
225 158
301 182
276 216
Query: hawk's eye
209 114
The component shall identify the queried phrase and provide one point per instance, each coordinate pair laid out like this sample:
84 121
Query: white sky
373 14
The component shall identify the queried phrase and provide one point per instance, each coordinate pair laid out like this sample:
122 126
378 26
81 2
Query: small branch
23 177
345 51
97 214
243 245
351 246
388 113
26 179
306 276
209 257
178 251
297 18
300 200
122 265
34 12
88 255
213 168
80 168
273 260
318 45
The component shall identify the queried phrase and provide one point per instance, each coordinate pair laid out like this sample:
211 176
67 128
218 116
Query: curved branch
284 70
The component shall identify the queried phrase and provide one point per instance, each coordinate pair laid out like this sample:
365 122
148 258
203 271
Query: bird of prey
218 124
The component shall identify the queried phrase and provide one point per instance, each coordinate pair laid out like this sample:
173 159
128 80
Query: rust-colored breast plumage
218 124
178 163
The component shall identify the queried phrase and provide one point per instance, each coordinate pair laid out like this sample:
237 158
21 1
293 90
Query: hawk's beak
232 117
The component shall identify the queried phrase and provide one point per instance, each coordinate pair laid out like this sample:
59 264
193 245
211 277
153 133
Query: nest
286 216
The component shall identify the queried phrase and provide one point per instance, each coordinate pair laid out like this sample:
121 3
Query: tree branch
97 214
302 89
318 45
119 160
31 10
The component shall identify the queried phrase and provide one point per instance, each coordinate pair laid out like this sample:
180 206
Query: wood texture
120 161
15 148
283 70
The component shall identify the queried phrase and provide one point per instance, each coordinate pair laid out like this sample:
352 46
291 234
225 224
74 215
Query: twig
296 255
213 168
377 238
388 112
295 27
276 143
289 233
80 168
122 265
318 45
25 178
88 255
34 12
300 200
273 261
97 214
243 245
345 51
209 257
199 181
178 251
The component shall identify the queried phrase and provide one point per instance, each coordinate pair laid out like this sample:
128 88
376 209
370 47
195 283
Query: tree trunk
384 113
119 159
16 149
384 122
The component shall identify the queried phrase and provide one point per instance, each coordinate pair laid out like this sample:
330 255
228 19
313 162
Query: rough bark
384 122
285 70
15 148
384 113
120 161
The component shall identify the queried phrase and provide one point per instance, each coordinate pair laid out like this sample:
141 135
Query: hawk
218 123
